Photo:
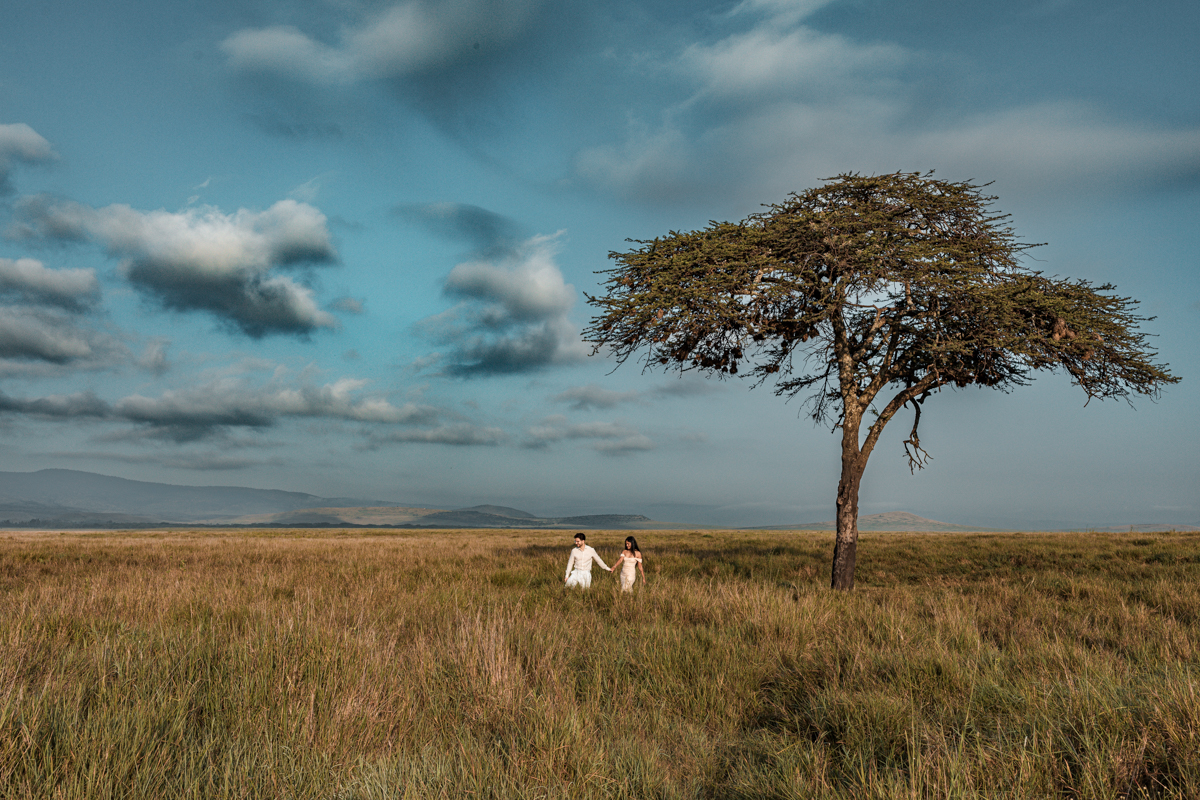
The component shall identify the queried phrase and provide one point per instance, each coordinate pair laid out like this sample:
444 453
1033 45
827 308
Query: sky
343 246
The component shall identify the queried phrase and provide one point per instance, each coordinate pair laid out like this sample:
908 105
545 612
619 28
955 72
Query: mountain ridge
76 499
73 498
76 491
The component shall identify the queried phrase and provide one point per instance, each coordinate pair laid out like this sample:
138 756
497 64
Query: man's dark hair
581 536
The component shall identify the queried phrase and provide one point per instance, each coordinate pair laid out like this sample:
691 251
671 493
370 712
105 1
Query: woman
630 563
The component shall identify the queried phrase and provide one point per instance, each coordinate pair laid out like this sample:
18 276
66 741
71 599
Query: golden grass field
430 664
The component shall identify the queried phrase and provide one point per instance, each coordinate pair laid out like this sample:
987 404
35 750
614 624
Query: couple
579 565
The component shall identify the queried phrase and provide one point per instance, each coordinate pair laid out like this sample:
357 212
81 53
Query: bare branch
917 456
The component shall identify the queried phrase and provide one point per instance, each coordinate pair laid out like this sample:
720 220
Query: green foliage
445 664
867 282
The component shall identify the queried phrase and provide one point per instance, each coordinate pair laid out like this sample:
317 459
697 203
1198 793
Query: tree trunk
847 523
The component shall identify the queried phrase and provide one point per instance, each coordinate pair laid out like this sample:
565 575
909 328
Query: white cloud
30 281
52 336
514 314
203 259
1061 145
19 142
402 39
1044 150
231 402
25 334
592 396
461 434
522 350
284 49
72 406
608 437
234 402
767 61
529 290
781 12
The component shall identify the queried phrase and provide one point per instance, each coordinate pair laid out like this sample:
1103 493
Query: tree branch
920 389
917 456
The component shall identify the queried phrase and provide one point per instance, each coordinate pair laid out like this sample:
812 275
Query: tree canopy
894 285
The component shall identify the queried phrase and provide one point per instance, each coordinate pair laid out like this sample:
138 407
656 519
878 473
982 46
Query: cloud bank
201 259
219 406
746 104
777 106
607 437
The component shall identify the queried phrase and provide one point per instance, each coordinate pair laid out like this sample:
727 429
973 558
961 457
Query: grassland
452 664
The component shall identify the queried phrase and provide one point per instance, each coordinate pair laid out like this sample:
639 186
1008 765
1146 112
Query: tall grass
451 664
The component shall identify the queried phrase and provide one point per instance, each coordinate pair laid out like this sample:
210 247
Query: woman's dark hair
635 547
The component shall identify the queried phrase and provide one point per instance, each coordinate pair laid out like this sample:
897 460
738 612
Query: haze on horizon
341 247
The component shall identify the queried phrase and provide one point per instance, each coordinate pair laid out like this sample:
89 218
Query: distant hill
900 521
58 492
66 498
470 518
501 511
71 498
474 517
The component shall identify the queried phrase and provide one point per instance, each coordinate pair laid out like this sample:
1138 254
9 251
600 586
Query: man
579 565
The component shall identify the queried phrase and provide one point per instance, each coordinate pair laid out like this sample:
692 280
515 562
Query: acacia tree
868 293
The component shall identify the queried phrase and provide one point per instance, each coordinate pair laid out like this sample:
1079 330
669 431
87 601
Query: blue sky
341 246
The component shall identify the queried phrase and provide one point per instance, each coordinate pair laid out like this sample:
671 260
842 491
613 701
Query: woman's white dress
629 572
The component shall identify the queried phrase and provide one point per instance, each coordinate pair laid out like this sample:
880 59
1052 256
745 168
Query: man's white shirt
582 558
